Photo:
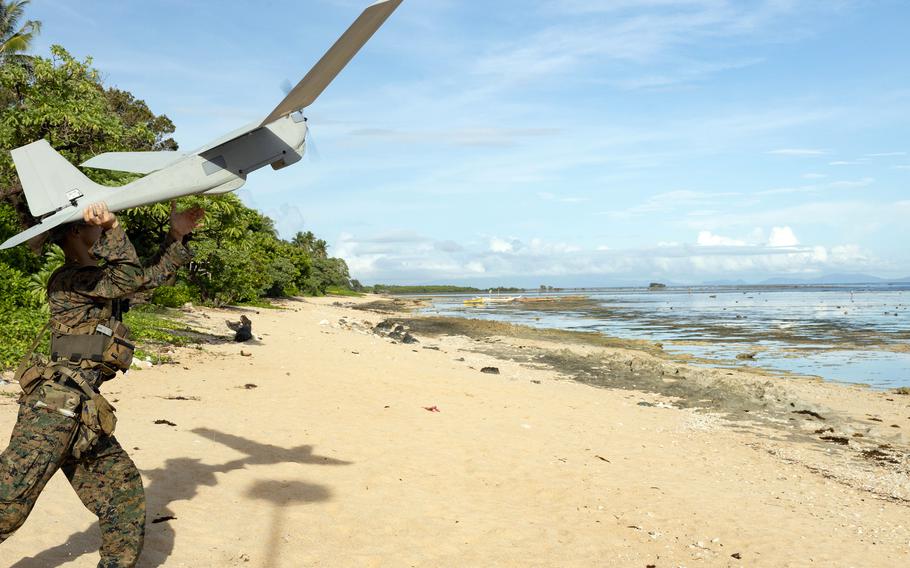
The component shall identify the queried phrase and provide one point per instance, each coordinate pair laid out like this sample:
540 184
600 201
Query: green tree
15 38
139 121
315 247
61 100
239 256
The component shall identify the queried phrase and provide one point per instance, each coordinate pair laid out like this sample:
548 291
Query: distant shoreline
809 331
458 290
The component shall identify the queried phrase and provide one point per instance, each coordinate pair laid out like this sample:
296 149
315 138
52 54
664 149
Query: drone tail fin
49 181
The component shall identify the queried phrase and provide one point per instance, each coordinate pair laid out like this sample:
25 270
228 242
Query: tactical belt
98 343
86 328
75 348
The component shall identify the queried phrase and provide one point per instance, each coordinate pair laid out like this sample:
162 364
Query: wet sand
330 445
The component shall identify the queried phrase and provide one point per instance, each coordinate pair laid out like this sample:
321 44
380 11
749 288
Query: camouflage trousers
105 479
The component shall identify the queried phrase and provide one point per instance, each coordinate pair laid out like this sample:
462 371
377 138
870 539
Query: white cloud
812 175
500 245
844 254
798 152
886 154
782 237
709 239
539 246
714 256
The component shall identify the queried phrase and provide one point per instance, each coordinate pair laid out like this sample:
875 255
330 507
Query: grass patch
339 291
152 330
151 325
154 358
261 303
902 390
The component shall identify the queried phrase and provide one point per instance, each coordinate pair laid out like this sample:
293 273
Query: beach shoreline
326 443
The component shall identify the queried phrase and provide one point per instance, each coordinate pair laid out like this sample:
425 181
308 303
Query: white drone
57 191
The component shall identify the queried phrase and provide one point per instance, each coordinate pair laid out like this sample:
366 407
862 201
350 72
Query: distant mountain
725 283
848 278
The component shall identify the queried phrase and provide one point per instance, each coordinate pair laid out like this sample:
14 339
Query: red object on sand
431 408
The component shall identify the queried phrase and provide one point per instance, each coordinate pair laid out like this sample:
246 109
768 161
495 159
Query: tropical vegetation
239 256
15 38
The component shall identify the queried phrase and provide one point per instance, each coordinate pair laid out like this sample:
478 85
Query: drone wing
135 162
335 59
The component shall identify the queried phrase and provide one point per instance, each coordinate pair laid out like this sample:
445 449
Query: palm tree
15 39
317 248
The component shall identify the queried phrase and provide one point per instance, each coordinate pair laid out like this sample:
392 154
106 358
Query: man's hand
97 214
184 222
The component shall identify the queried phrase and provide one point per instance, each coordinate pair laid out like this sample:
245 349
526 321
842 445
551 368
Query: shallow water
840 333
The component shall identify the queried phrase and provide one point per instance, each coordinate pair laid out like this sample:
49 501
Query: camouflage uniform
104 477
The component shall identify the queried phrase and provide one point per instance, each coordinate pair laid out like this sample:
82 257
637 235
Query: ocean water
851 334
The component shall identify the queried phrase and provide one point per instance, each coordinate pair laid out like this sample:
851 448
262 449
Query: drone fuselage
220 169
57 192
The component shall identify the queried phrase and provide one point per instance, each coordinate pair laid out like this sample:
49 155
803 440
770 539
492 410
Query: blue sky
551 141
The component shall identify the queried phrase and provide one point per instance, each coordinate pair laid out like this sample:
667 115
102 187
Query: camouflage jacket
80 297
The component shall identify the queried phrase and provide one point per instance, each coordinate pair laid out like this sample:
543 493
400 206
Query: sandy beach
323 443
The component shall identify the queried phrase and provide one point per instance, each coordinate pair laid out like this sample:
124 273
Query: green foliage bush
18 328
228 273
53 259
15 290
282 277
174 296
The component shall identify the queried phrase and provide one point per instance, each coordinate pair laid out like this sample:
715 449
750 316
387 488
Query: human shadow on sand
180 479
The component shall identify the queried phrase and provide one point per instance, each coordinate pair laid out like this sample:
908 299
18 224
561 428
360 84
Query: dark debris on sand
394 331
